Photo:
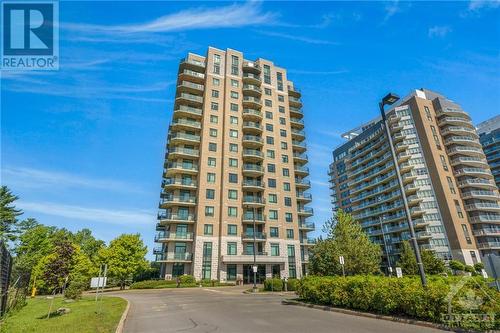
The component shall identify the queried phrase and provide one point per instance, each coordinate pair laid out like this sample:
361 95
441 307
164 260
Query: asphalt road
228 310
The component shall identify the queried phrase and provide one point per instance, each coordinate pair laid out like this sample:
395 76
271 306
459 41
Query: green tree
89 245
125 257
346 238
408 262
8 215
34 244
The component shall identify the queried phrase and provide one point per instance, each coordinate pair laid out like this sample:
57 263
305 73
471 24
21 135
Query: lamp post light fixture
390 99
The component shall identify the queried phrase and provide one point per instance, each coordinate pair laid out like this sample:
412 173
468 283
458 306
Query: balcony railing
186 122
184 151
252 199
176 217
253 167
166 198
187 167
179 181
250 235
162 236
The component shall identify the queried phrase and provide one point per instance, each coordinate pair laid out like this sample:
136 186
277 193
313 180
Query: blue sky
84 146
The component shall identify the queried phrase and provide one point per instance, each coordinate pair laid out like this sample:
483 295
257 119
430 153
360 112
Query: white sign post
98 282
399 272
341 259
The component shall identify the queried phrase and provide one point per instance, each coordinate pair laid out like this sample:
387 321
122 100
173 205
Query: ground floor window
206 269
276 271
177 269
292 271
231 272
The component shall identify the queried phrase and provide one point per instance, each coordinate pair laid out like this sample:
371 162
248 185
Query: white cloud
307 72
232 16
391 9
298 38
97 215
34 178
476 5
439 31
320 183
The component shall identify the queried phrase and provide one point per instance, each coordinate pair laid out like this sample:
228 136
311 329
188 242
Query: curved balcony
174 200
296 122
251 127
480 195
253 170
488 245
307 226
167 218
296 112
458 130
187 111
175 257
299 146
488 206
414 200
468 160
248 217
252 102
172 168
189 99
485 218
185 124
302 183
251 78
379 180
252 90
179 152
172 183
167 236
304 197
252 141
406 167
473 172
464 140
305 211
447 111
252 115
294 102
465 150
458 121
300 158
250 66
308 242
401 147
252 155
253 185
477 182
301 170
190 75
192 64
298 134
179 137
250 236
190 87
294 91
416 211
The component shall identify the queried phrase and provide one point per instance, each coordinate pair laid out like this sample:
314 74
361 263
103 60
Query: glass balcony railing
180 181
250 234
176 217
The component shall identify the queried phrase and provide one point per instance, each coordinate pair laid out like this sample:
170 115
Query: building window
271 182
234 107
269 140
234 94
443 162
208 229
279 78
282 121
427 113
215 93
233 178
273 214
288 201
284 145
231 248
209 211
210 177
286 172
284 158
210 194
232 211
213 132
273 198
270 153
233 162
267 74
286 187
231 272
212 146
459 209
289 233
233 120
281 109
267 91
211 161
283 133
269 127
215 81
233 147
233 133
216 64
268 103
288 217
214 119
275 250
234 83
206 271
214 106
273 232
271 168
232 194
466 234
269 115
234 65
232 229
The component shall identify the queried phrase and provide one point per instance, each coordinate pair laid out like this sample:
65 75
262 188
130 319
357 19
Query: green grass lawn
82 318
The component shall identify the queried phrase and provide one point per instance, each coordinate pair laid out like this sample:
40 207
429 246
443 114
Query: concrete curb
372 315
119 328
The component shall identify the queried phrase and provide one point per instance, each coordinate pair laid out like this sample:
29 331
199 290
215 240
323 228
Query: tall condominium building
489 136
453 199
235 172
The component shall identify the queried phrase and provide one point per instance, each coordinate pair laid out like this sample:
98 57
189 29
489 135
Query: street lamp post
390 99
389 268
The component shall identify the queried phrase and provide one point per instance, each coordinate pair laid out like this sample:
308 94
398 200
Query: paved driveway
228 310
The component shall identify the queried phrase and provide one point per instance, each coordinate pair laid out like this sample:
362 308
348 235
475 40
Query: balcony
294 91
252 141
253 155
172 168
467 160
294 102
466 150
248 236
250 66
302 183
423 235
177 152
192 64
179 137
174 257
308 241
163 237
173 200
473 172
488 246
485 218
453 112
299 146
247 258
187 111
298 134
248 217
252 170
185 124
489 206
189 99
252 114
250 89
300 158
307 226
251 127
459 121
477 182
192 76
305 211
190 87
296 112
480 195
179 183
486 232
253 185
301 170
158 250
251 102
464 140
304 197
251 78
166 218
296 122
458 130
253 201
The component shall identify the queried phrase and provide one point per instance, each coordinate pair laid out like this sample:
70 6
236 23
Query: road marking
215 291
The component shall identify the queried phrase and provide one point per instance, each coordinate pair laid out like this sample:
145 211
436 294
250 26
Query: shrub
273 285
456 265
478 267
292 284
187 279
75 289
153 284
406 297
469 268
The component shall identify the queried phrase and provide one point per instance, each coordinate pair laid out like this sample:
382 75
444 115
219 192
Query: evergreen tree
8 215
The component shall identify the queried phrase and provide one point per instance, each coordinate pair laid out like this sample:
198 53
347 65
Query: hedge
186 281
273 284
405 297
